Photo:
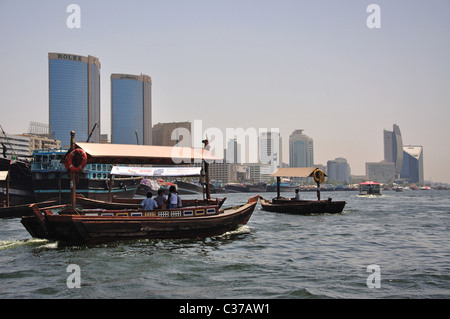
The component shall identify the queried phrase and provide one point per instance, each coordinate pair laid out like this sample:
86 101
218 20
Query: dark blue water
275 256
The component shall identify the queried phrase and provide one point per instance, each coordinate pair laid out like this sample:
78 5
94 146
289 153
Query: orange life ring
319 176
80 162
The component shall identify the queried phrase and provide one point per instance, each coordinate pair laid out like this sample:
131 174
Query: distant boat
285 187
246 188
369 188
301 207
186 188
236 188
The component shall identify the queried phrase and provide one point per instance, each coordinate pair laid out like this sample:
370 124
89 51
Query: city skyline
261 64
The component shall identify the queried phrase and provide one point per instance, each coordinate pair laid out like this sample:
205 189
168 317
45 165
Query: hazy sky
312 65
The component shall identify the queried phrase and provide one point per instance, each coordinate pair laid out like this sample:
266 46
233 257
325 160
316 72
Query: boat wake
7 244
240 230
371 196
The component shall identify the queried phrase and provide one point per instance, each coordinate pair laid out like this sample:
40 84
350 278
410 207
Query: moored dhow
51 180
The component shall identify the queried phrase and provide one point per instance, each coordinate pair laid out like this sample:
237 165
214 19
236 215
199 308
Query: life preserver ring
80 162
319 176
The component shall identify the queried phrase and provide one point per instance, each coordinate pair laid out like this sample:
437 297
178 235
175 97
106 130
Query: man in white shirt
149 203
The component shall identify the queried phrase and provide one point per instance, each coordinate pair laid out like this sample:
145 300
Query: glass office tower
412 168
393 148
301 150
74 97
131 109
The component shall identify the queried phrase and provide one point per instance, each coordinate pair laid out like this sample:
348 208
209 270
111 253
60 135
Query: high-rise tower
301 150
74 97
131 109
393 148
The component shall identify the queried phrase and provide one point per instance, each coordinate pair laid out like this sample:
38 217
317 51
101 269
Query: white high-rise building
301 150
270 150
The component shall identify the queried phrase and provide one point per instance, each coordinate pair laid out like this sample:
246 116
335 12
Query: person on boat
297 194
173 199
161 199
149 203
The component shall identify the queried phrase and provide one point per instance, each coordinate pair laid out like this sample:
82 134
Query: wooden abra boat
101 225
302 207
297 206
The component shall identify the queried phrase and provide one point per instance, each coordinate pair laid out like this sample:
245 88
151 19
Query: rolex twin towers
74 102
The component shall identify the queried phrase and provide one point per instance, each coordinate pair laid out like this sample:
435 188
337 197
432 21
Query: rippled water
275 256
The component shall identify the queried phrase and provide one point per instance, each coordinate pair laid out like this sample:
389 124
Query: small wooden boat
23 210
90 226
297 206
302 207
93 226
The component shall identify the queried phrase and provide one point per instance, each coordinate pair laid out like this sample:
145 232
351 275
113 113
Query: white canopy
156 171
3 175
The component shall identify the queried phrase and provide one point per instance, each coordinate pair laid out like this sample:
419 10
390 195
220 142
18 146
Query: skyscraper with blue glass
74 97
131 109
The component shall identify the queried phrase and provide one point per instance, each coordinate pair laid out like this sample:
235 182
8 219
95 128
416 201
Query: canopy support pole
73 190
208 190
318 190
278 186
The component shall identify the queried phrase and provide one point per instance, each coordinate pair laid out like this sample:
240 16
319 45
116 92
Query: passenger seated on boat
149 203
173 199
161 199
297 194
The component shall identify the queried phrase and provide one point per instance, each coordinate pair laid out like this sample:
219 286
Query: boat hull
303 207
19 187
88 229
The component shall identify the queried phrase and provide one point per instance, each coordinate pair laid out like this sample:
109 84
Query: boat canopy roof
295 172
369 183
156 171
3 175
144 154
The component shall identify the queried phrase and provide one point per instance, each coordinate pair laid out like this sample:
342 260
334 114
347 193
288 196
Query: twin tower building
74 102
